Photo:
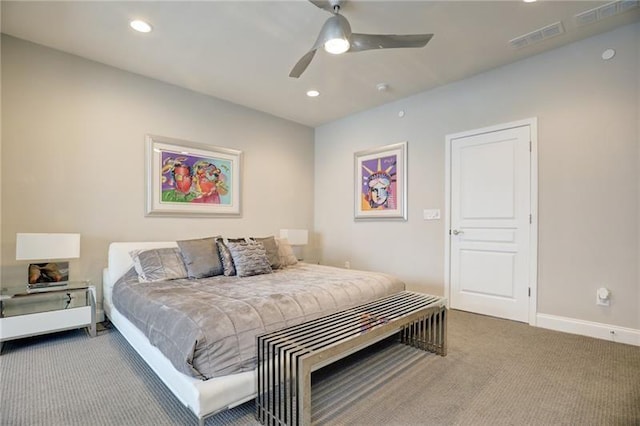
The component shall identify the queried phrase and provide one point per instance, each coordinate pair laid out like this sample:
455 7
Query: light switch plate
431 214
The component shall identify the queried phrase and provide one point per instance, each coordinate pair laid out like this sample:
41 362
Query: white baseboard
598 330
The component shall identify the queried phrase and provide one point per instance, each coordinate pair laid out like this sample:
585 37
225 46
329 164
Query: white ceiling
242 51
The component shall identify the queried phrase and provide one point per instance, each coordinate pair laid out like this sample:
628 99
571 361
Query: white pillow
287 257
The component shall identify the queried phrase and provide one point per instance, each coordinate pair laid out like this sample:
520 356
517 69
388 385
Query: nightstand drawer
44 322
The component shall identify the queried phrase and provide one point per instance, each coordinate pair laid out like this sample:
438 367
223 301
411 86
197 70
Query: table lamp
296 237
46 248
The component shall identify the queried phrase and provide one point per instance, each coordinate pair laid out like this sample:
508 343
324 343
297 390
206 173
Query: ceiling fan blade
302 64
360 42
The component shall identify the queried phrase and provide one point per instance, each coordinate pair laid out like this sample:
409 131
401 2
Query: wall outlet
603 296
347 264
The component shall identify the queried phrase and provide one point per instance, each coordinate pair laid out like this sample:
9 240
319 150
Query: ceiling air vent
605 11
537 35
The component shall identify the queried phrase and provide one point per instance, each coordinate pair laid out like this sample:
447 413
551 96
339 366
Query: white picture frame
381 183
191 179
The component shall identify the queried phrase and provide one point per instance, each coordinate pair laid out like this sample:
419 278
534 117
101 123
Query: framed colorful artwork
191 179
381 183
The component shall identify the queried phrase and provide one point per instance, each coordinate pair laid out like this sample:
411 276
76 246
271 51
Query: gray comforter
207 327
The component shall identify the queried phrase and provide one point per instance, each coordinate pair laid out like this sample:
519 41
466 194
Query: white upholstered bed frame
202 397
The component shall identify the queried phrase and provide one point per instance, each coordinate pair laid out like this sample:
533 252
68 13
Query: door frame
533 229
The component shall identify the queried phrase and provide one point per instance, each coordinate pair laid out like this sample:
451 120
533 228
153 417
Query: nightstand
32 312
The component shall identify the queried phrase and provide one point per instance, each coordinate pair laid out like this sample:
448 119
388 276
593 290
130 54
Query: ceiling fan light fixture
337 46
335 33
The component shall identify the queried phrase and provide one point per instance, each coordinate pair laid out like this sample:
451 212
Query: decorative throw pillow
249 258
158 264
201 257
228 269
271 247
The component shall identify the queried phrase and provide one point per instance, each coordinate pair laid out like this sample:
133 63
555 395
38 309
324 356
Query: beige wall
73 156
589 175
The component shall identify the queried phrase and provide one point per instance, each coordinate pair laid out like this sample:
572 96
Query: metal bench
286 358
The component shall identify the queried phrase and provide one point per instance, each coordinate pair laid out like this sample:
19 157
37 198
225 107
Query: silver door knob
456 232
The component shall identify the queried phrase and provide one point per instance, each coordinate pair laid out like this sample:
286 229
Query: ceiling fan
336 37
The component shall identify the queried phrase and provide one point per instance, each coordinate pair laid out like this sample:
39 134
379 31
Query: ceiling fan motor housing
336 26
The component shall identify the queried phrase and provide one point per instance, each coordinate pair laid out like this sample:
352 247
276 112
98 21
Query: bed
289 296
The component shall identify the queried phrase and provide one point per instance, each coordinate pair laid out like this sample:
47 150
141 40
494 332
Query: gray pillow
249 258
201 257
225 257
158 264
271 247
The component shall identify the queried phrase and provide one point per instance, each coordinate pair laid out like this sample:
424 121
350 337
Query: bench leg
303 379
443 340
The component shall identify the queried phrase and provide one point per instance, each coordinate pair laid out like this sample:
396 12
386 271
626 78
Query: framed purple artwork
381 183
190 179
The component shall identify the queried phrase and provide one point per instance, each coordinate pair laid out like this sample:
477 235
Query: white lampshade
47 246
296 237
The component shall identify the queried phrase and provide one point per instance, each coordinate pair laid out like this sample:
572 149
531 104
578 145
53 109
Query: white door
490 223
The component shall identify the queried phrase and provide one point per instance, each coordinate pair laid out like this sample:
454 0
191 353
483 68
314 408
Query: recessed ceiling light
529 1
313 93
140 26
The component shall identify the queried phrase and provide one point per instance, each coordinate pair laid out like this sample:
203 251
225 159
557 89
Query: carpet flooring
497 372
